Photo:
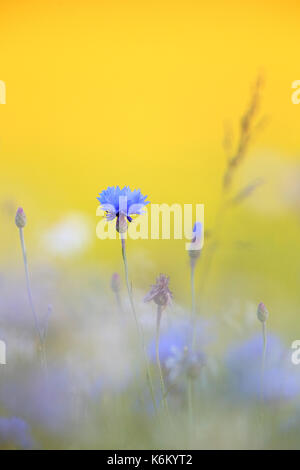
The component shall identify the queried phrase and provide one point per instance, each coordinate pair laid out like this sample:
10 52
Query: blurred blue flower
115 201
96 389
184 362
176 337
14 432
281 377
47 402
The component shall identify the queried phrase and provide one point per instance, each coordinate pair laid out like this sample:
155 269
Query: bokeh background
101 93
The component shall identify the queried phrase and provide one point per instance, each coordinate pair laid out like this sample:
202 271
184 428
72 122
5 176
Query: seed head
160 292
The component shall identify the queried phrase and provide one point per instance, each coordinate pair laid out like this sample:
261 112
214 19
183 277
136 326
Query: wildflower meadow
149 250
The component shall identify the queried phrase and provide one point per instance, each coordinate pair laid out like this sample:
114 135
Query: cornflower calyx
20 218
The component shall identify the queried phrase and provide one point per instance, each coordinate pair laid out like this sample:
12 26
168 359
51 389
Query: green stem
162 383
139 329
119 302
31 303
190 409
193 303
263 360
190 385
212 248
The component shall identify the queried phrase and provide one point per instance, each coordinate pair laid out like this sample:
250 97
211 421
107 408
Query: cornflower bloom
122 205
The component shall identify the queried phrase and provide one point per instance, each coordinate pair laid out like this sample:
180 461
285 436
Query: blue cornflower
184 362
281 379
116 202
175 337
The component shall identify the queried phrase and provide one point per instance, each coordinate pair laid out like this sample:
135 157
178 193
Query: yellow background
136 92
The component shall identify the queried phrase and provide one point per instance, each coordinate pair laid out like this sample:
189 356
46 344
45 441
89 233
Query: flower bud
262 312
115 282
20 218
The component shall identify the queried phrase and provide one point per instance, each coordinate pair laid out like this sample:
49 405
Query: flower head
122 204
20 218
262 312
160 292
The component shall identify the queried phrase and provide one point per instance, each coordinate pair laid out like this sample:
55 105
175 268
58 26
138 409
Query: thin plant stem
193 302
31 303
162 382
262 379
193 288
190 409
263 360
118 301
190 385
211 250
246 134
127 282
139 329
